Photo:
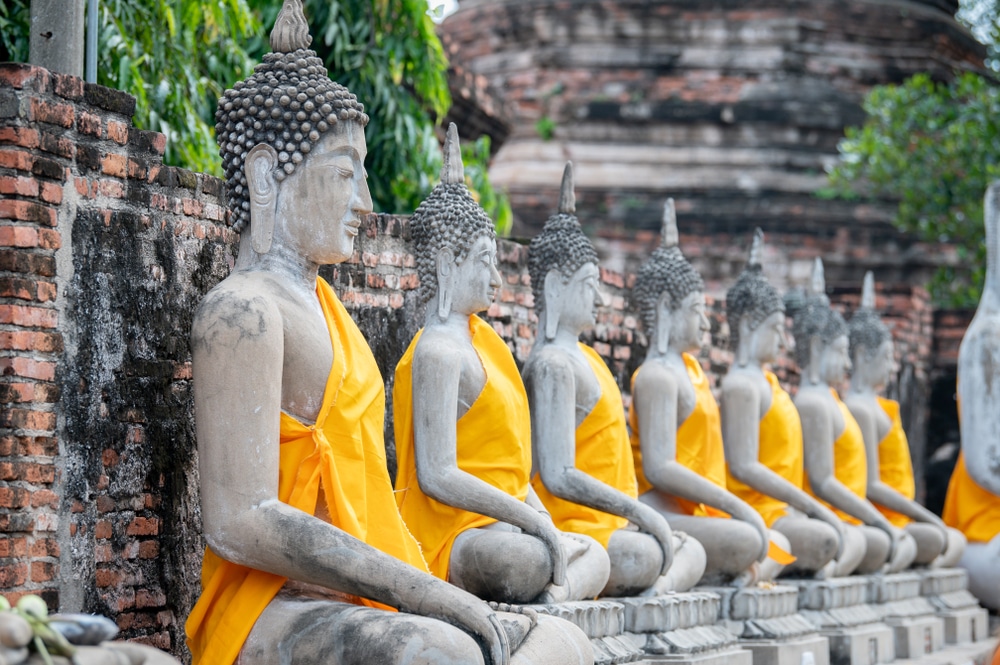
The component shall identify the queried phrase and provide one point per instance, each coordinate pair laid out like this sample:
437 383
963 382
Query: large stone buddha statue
763 435
891 486
307 554
463 431
973 501
586 475
676 429
835 458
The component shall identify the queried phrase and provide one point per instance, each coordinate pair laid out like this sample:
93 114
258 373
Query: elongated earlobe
259 170
662 340
445 274
553 292
815 358
746 341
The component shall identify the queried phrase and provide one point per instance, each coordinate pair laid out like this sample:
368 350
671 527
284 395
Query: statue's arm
655 399
818 437
877 491
237 349
436 376
552 397
979 400
741 437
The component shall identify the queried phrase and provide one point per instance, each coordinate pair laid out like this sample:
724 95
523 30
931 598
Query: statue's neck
279 260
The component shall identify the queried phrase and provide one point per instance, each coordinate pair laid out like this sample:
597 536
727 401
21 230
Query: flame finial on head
756 249
291 31
567 197
817 286
668 233
452 171
868 291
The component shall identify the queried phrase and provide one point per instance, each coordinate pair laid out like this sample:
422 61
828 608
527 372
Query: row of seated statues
513 487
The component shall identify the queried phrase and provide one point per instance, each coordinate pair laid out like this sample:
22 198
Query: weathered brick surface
104 255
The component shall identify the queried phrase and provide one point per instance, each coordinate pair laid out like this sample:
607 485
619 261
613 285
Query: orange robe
603 452
493 443
699 440
895 468
850 463
970 508
779 448
343 453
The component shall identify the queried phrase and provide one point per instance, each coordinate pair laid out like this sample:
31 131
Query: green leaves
934 148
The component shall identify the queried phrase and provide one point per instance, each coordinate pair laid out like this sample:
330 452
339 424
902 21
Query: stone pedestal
680 628
839 610
917 629
946 590
769 625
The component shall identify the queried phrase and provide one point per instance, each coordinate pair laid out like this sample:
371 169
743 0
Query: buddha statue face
689 323
875 368
580 297
834 361
767 340
317 210
871 343
474 278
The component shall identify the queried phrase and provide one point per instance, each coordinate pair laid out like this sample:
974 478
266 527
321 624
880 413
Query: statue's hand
894 536
549 535
472 615
654 524
753 518
830 517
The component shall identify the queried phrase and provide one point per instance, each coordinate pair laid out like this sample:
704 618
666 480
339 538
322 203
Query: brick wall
104 255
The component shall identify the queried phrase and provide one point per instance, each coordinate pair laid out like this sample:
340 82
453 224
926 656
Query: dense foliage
933 147
177 56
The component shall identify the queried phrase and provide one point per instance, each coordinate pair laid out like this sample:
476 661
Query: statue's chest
308 360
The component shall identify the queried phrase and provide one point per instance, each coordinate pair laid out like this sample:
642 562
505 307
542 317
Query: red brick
27 211
52 113
88 123
25 137
110 188
52 193
136 170
45 498
29 317
118 132
18 185
27 418
64 85
102 530
13 547
109 457
106 577
45 291
25 340
18 236
143 526
149 549
14 158
114 165
149 598
37 473
103 553
43 571
105 504
38 446
57 145
13 575
14 497
24 76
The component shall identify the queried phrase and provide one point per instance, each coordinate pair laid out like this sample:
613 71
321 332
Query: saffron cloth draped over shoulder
344 454
699 440
493 443
779 448
895 468
602 452
850 465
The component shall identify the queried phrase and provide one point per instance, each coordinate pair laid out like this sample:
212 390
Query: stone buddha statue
973 501
463 431
586 475
835 458
891 486
675 423
306 548
763 435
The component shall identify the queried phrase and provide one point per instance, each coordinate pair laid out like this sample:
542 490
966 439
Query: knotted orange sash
895 468
603 452
779 448
850 464
345 454
493 443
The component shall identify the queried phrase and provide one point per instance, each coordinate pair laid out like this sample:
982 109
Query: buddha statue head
871 347
821 345
454 242
562 264
756 312
273 124
670 294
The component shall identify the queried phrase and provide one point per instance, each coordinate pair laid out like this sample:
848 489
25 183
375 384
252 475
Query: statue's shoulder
244 304
738 381
813 401
656 374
